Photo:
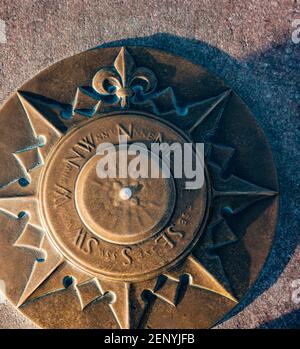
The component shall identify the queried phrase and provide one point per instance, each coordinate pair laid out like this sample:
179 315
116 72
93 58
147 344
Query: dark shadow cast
288 321
267 82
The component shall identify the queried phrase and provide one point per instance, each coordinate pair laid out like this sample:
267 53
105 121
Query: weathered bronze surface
73 253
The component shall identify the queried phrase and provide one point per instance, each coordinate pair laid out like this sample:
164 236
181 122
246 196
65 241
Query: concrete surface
247 43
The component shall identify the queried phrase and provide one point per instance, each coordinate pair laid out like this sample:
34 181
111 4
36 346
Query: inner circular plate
94 220
126 208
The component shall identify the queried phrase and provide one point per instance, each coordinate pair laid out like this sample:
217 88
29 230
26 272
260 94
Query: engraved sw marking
85 243
62 196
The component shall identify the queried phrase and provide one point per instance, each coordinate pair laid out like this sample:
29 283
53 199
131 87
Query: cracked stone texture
246 43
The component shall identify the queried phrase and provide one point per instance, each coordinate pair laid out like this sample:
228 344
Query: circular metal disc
80 251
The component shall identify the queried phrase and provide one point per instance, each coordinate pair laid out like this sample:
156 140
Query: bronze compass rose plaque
79 251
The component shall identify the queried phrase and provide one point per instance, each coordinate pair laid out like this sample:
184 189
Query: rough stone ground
247 43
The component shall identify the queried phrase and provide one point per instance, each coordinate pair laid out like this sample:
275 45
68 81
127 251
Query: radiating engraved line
219 99
217 193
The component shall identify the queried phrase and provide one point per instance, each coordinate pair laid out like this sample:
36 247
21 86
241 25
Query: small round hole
67 281
23 182
226 211
22 214
40 260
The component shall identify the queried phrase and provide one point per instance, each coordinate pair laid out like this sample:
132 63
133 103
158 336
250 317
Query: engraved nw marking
88 143
62 195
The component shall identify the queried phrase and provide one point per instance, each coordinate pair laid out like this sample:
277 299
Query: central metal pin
125 193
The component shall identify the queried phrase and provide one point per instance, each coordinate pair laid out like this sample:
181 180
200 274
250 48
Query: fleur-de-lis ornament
123 80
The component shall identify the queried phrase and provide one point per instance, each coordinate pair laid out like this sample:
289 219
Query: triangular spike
57 113
167 291
17 205
234 186
121 306
17 262
224 235
165 102
41 270
200 277
221 155
31 237
89 291
16 189
190 116
84 104
30 159
44 130
56 283
259 191
204 108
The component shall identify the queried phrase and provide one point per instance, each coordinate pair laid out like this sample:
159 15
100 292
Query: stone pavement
246 43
